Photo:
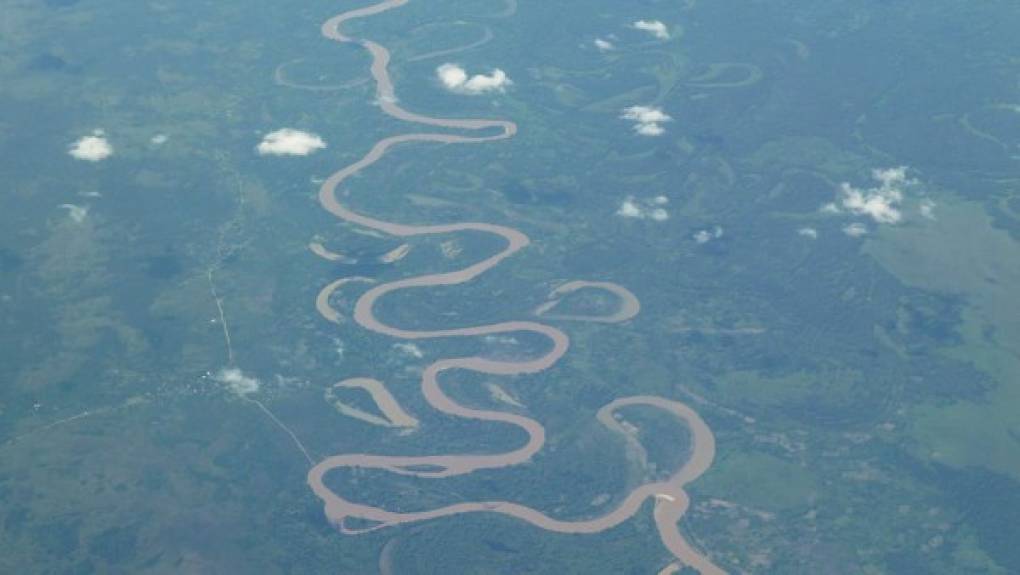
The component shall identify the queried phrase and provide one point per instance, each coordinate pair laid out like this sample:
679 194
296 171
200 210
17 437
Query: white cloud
159 139
604 45
409 349
654 27
645 114
456 79
649 129
92 148
629 209
451 75
641 209
77 213
891 176
855 230
237 382
880 203
808 233
289 142
647 119
927 209
705 236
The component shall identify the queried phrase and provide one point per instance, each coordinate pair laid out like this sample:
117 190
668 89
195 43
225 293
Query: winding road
670 499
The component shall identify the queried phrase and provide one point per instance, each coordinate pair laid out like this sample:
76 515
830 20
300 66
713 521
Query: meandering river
671 501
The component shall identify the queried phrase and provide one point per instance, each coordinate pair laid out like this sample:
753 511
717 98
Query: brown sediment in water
670 569
386 557
499 394
322 300
396 254
628 308
280 77
320 250
670 499
711 78
393 414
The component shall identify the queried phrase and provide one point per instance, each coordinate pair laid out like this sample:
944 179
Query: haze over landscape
502 286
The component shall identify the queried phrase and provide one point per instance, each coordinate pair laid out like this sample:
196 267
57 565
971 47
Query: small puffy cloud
631 207
159 139
92 148
645 115
604 45
456 79
649 129
289 142
880 203
77 213
451 75
891 176
830 208
705 236
808 233
654 27
855 230
927 209
647 120
237 382
409 349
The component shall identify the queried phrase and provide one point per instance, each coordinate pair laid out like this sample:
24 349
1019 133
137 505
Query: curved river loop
670 499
